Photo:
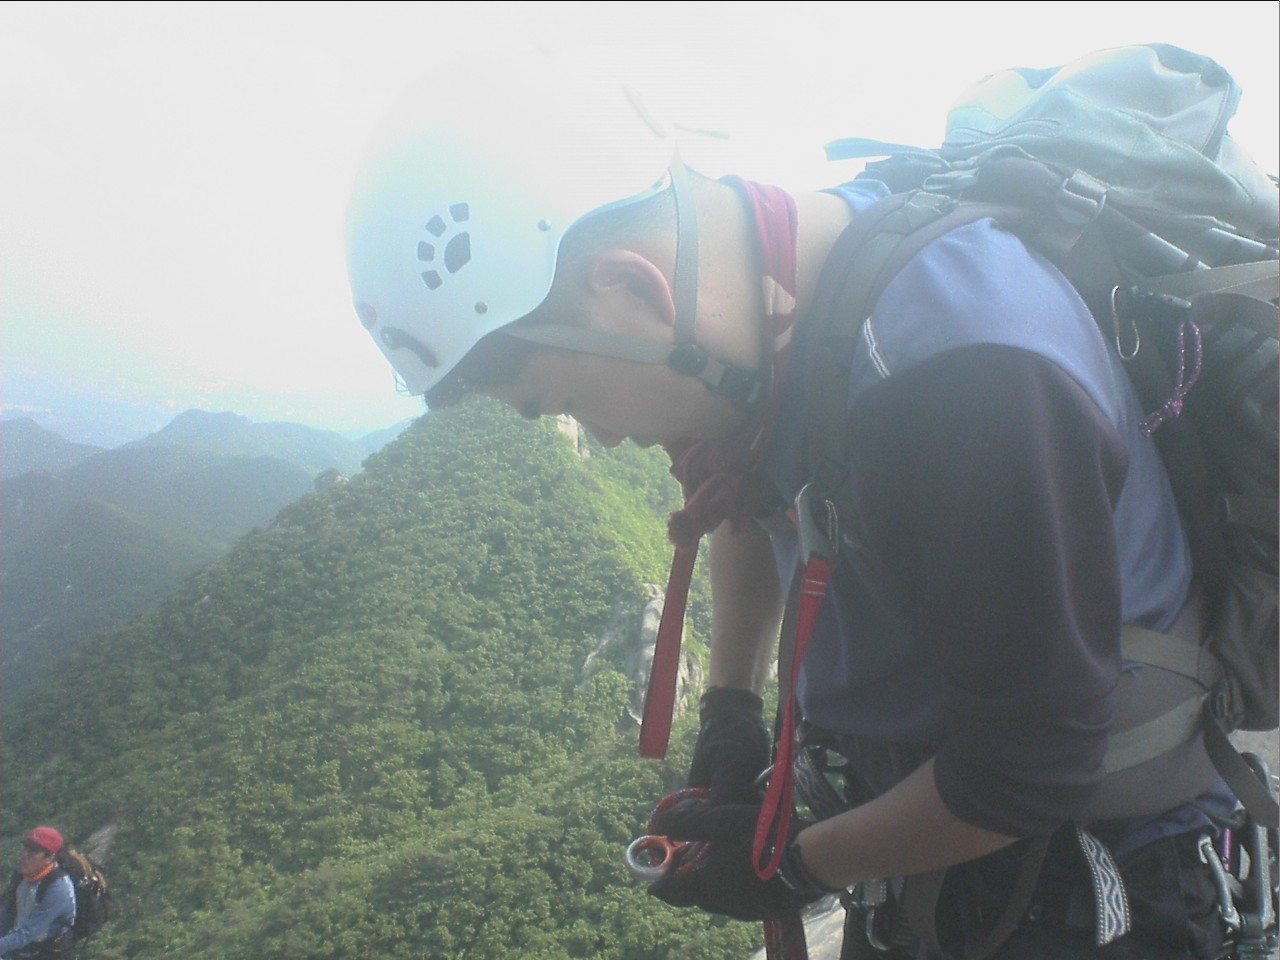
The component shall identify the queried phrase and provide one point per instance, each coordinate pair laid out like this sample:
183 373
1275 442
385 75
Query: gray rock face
628 644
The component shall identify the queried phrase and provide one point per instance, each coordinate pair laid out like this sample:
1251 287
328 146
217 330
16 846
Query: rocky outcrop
627 645
571 429
329 478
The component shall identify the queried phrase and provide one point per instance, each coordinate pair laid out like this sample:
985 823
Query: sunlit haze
173 177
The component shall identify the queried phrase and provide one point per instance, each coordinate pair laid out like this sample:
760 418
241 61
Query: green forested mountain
368 731
93 547
92 543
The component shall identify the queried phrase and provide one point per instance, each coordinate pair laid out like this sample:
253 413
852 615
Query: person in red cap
39 906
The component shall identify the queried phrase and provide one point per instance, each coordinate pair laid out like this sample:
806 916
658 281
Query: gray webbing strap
1244 783
598 343
738 385
742 387
685 280
1158 735
1259 280
1161 650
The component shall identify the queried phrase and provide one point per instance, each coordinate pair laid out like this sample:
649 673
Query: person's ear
628 283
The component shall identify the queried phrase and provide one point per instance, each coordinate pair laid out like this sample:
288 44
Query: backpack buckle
1223 704
1080 199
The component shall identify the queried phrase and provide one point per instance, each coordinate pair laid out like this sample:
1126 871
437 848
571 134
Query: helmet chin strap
744 388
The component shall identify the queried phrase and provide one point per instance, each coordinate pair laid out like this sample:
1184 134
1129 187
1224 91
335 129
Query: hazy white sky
173 176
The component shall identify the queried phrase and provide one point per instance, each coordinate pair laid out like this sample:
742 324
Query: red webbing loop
660 697
776 809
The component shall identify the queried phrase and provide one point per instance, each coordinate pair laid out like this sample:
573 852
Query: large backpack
93 899
1119 168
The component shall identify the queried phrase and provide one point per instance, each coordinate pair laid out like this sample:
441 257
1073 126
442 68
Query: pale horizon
175 175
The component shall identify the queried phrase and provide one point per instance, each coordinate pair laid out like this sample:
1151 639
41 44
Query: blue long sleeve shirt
37 919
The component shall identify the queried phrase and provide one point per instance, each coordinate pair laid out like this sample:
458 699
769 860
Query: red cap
46 837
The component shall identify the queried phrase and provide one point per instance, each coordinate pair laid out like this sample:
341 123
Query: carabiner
1125 355
650 857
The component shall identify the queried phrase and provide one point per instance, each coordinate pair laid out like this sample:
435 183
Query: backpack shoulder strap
9 899
863 261
47 881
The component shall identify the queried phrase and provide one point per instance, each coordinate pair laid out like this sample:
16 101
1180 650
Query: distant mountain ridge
27 446
94 537
229 433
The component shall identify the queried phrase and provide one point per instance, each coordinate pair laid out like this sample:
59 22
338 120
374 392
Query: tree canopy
368 730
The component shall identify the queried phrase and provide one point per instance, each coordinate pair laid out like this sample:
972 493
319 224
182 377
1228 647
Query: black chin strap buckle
688 358
743 388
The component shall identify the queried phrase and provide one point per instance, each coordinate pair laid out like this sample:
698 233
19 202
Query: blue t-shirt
1018 516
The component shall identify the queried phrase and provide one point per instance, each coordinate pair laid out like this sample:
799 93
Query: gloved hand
721 879
733 746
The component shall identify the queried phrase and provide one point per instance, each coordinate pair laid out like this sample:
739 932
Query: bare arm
746 607
904 831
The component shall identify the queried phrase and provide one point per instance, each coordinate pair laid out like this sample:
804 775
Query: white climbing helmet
461 203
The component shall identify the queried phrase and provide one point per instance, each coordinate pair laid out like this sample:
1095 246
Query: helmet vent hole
368 316
458 253
457 248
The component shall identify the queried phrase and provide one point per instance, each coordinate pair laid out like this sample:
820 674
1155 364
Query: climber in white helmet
521 232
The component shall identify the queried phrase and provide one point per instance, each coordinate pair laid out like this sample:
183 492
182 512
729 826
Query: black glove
721 877
733 746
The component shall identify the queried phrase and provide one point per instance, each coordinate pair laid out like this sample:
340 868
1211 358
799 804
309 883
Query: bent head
528 214
462 204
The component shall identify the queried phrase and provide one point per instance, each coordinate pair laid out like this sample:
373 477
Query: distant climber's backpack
1119 169
93 900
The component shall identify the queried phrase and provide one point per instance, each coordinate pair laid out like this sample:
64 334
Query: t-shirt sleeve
987 479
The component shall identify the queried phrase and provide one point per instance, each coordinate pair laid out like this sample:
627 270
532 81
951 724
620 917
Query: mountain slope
110 534
27 446
368 731
89 550
92 568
